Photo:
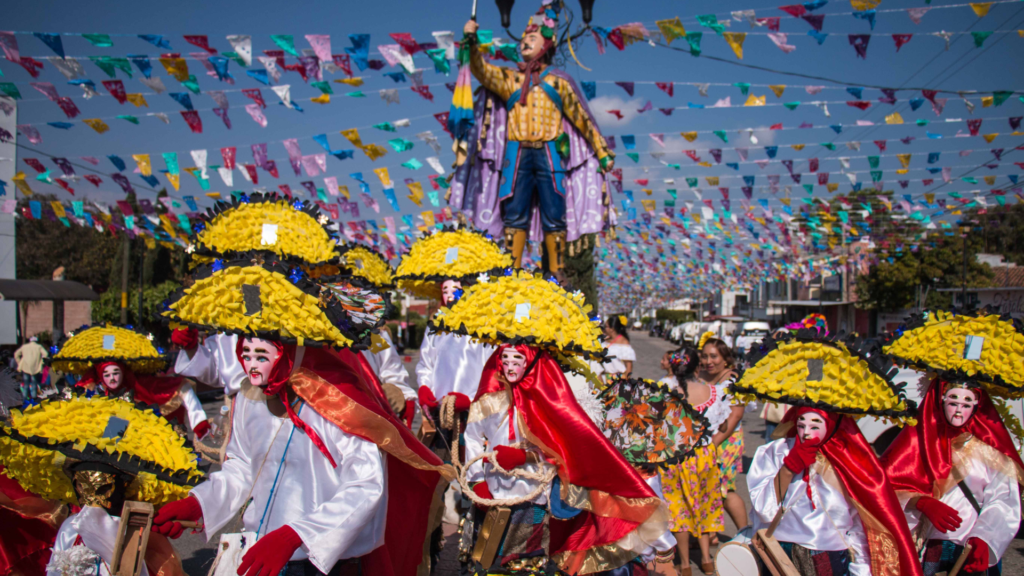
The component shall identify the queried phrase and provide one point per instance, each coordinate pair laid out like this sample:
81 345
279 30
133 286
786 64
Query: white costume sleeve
214 363
225 491
193 407
428 361
1000 516
389 368
98 531
493 430
332 528
476 435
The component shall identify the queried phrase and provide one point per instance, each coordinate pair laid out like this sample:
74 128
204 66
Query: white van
749 334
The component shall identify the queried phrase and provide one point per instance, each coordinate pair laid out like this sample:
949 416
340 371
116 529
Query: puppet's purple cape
475 185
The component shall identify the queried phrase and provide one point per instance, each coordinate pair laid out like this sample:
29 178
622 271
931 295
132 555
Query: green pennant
191 84
876 175
980 37
922 122
691 182
743 86
441 64
791 105
829 145
385 126
323 87
672 193
356 94
693 39
99 40
970 179
1000 96
285 42
721 134
633 156
711 21
676 166
123 64
234 56
400 144
510 51
413 164
809 188
10 89
873 161
104 63
129 118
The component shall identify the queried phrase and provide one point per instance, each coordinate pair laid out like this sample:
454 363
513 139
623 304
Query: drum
735 559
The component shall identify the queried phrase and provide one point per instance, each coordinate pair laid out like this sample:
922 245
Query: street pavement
197 555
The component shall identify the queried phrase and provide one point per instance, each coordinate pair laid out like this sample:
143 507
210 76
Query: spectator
30 358
620 353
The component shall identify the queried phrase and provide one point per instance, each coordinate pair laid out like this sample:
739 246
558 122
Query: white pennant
284 93
242 45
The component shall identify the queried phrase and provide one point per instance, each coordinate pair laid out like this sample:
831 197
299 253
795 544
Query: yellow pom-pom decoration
988 349
43 439
452 254
704 339
826 374
359 261
293 231
524 308
108 343
269 301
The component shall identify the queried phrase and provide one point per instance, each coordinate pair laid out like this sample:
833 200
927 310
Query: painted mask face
112 377
532 46
448 289
513 365
258 358
958 404
811 427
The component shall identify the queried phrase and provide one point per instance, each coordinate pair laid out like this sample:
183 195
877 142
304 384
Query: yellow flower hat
451 254
292 229
826 373
939 341
253 297
43 439
107 343
361 262
522 308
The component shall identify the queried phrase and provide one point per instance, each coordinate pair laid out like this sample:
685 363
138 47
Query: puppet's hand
801 457
607 164
394 396
167 519
977 560
508 457
470 27
270 554
943 517
185 338
462 402
427 399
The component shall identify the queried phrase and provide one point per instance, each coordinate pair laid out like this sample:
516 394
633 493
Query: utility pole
124 279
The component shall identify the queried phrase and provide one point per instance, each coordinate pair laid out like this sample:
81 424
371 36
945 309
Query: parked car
749 334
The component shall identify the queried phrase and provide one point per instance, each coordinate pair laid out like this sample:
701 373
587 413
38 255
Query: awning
805 303
18 290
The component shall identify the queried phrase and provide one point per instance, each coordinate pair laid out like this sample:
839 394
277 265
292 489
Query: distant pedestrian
30 358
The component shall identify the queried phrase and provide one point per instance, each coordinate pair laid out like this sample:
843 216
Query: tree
893 283
108 307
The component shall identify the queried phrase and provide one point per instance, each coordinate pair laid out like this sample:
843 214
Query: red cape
28 528
920 459
861 474
553 420
342 388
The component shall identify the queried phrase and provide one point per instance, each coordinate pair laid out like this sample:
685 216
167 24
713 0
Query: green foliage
580 266
675 316
938 263
108 307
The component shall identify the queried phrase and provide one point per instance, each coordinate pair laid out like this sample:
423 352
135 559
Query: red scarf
920 459
279 376
865 482
584 457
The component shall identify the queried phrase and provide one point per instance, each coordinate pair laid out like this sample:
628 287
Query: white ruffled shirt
999 498
337 512
618 355
99 533
451 363
833 523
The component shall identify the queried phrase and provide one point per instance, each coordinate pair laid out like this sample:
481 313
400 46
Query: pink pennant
667 87
780 40
257 114
222 113
812 90
250 169
812 165
938 104
916 14
406 41
343 61
822 178
646 107
116 89
861 104
46 89
94 179
195 124
30 132
901 39
10 45
309 164
255 95
794 10
201 41
424 91
321 44
772 23
228 156
666 111
68 107
881 145
974 125
31 65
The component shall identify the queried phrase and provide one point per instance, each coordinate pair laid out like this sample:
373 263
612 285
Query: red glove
943 517
269 554
427 399
166 520
462 402
977 560
201 429
482 491
186 338
800 457
409 413
508 458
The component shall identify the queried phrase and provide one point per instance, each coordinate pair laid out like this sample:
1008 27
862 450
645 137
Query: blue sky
923 62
